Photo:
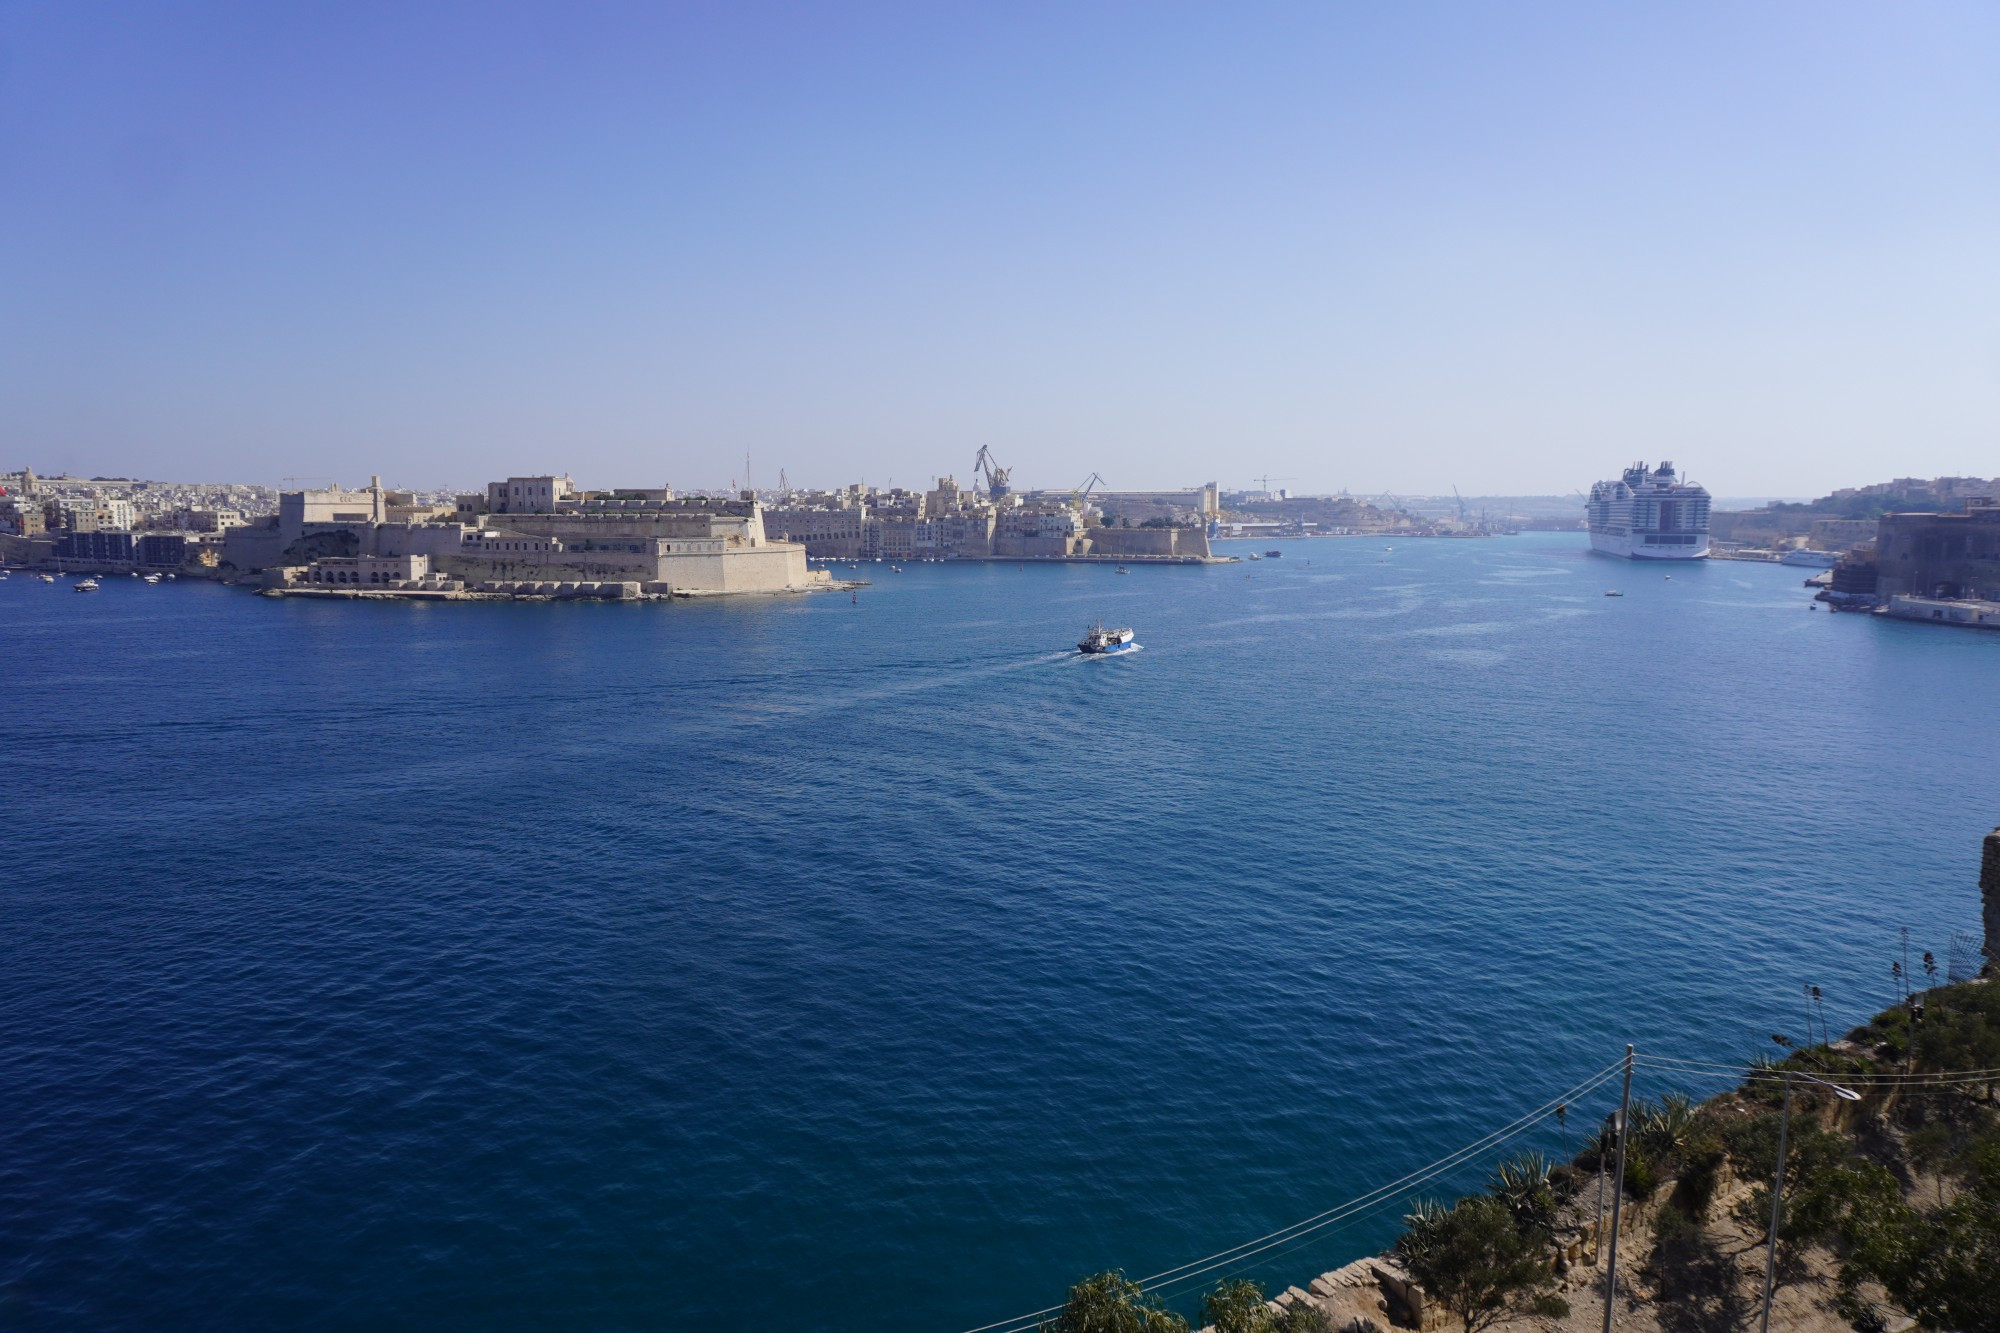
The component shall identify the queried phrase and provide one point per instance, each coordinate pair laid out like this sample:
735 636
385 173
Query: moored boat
88 585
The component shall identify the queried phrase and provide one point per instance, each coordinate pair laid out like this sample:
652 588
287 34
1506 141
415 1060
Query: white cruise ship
1649 516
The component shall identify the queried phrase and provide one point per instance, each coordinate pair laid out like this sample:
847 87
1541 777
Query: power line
1374 1198
1180 1277
1776 1073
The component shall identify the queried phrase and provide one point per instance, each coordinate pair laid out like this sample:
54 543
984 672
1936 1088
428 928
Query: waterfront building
162 550
22 517
98 549
1940 555
827 533
298 510
528 495
376 571
1841 534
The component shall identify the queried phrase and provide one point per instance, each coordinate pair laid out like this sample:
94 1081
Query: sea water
881 963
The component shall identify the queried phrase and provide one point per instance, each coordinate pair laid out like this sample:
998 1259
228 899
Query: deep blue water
799 963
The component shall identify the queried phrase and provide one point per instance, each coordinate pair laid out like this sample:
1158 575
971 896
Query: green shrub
1675 1237
1640 1177
1237 1307
1701 1162
1474 1261
1107 1303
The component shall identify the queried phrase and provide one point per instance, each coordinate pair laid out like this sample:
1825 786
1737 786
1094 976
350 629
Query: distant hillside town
544 536
525 536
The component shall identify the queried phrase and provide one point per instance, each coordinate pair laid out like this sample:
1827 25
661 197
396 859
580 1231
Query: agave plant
1523 1172
1421 1227
1521 1183
1666 1128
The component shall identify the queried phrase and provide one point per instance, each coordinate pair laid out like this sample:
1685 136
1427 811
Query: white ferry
1649 516
1813 559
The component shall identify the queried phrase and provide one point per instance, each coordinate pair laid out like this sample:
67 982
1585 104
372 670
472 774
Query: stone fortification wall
1144 542
26 550
1919 553
1033 548
559 590
254 546
771 567
438 541
1989 895
641 525
551 567
268 544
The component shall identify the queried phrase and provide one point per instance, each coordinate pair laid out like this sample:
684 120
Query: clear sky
1505 246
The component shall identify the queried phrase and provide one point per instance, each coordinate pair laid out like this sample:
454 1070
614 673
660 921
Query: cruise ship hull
1634 546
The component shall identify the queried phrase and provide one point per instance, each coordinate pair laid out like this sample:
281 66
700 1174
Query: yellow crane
1081 491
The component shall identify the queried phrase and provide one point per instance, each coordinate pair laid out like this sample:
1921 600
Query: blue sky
1507 247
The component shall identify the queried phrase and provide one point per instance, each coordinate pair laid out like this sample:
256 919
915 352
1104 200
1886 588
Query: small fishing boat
1101 642
1123 570
88 585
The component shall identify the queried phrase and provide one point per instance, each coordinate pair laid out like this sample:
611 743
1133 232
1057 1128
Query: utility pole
1778 1184
1618 1191
1777 1201
1603 1146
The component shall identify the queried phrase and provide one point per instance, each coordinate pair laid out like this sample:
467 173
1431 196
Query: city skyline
1382 252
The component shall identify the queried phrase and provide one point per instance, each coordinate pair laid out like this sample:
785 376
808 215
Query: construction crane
1265 482
996 476
1081 491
